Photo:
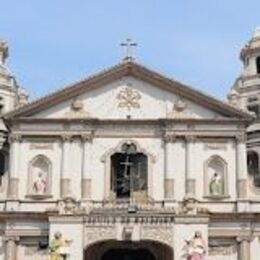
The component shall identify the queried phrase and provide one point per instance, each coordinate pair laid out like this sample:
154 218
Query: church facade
129 164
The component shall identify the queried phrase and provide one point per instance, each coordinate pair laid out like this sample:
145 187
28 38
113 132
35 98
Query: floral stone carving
129 98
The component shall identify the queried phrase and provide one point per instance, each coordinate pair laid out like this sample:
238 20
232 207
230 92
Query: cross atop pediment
128 47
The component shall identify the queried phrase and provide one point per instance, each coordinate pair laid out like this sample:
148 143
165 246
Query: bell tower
11 95
245 95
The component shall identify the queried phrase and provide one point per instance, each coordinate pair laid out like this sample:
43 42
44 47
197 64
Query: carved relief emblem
69 206
77 109
180 110
129 98
179 106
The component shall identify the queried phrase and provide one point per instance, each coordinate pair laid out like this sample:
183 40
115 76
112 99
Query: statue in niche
216 185
40 184
196 248
59 247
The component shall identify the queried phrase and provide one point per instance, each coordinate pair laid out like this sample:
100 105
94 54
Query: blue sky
53 43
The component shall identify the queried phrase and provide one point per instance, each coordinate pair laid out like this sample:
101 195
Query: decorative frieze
99 233
41 146
158 233
215 146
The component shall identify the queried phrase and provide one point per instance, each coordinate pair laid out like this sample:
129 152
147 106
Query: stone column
14 156
241 161
11 248
86 166
244 248
169 174
190 180
65 166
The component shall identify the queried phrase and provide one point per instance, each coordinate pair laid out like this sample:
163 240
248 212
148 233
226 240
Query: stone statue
68 206
196 248
59 247
216 185
40 184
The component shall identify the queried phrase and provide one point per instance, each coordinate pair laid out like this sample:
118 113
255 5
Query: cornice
96 121
129 69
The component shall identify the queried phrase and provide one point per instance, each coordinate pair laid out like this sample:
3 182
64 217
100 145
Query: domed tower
245 95
11 95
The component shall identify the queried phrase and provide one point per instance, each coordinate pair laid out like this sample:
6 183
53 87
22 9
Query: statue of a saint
59 247
40 184
216 185
196 248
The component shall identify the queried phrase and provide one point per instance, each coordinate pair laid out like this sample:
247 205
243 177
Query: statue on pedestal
196 248
59 247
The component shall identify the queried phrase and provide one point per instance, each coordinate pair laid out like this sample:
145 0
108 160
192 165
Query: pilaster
169 181
13 184
11 248
190 183
65 166
86 165
244 247
241 166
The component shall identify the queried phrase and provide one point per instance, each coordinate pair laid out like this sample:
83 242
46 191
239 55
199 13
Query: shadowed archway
127 250
128 254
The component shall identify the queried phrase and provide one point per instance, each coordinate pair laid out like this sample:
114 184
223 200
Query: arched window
258 65
216 183
39 176
253 167
129 174
2 165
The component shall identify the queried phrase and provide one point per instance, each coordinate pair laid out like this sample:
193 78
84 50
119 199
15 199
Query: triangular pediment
128 89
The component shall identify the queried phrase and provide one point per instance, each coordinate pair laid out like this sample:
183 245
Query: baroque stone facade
128 162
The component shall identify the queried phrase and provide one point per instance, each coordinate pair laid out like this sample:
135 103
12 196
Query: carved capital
67 138
14 138
14 239
190 138
87 137
241 138
169 138
241 239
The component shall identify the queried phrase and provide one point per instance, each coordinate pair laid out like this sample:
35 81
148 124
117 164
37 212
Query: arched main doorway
127 250
128 254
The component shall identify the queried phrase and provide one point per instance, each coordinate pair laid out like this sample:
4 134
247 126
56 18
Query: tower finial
3 51
128 46
257 33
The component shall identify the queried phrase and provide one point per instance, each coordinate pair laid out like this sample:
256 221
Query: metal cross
128 165
128 46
